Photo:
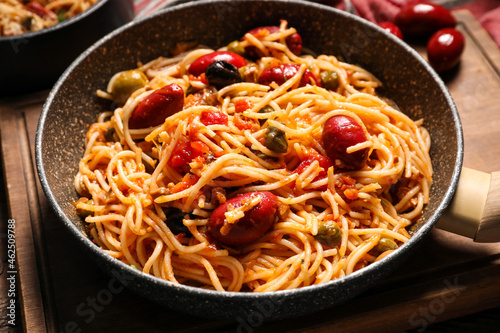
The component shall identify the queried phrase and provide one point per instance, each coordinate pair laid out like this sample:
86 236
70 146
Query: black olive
174 221
221 73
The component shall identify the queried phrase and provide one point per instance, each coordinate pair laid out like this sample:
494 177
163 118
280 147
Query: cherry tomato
157 106
324 162
423 19
201 64
340 133
294 41
445 48
392 28
255 222
282 73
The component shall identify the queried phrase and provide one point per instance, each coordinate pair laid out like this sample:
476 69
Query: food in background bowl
34 60
18 16
259 171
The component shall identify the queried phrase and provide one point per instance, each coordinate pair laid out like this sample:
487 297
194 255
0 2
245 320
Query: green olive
386 244
275 140
330 80
329 233
126 83
83 213
236 47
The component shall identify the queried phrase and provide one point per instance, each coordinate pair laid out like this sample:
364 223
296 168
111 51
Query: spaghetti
18 17
166 198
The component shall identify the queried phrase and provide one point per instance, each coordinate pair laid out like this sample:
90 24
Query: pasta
251 156
18 17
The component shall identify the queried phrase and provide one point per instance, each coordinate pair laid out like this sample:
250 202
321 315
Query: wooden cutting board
61 290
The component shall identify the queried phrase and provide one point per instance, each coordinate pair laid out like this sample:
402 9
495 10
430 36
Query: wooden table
61 290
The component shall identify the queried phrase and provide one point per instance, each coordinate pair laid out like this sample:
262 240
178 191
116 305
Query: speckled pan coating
408 80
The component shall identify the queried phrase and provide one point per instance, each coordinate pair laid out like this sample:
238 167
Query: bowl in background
35 60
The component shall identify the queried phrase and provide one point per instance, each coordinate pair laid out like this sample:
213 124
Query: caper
275 140
125 84
330 80
329 233
386 244
221 73
265 157
265 109
175 219
236 47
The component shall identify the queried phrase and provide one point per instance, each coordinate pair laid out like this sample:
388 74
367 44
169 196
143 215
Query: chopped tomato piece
213 118
185 152
201 78
193 100
243 124
36 8
187 181
242 105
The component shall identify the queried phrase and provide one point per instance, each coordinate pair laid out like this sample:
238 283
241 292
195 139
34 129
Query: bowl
408 80
35 60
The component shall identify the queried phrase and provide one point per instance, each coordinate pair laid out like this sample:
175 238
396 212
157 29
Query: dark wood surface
61 290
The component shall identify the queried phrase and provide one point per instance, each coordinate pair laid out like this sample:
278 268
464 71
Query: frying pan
35 60
408 80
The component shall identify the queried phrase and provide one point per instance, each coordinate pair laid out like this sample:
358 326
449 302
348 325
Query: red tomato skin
423 19
253 225
392 28
294 41
445 48
153 109
280 74
340 133
185 152
324 162
200 65
213 118
36 8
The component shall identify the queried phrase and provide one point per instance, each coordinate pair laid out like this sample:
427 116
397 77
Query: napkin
487 12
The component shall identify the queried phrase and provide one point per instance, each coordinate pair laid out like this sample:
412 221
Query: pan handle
475 209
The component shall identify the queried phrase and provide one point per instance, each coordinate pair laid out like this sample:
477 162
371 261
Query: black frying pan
408 80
